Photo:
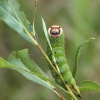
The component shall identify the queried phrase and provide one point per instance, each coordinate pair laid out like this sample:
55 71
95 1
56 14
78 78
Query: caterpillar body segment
56 37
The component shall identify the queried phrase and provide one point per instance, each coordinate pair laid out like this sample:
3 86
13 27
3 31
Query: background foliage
80 20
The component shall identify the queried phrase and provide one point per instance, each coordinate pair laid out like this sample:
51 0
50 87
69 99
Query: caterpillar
57 41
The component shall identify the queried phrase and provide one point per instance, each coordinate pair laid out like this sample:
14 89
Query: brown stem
62 98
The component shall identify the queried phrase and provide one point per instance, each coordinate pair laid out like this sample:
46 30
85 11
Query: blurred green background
80 20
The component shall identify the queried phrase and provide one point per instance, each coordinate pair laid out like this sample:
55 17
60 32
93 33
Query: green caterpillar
57 41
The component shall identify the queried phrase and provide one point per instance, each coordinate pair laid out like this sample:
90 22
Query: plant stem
57 92
46 57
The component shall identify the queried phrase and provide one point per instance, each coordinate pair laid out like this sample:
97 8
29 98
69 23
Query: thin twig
34 15
57 92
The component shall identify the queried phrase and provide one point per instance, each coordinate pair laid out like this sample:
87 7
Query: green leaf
89 85
17 62
7 15
28 62
46 33
78 52
33 67
25 72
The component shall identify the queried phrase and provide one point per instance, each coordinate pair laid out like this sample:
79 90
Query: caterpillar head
55 31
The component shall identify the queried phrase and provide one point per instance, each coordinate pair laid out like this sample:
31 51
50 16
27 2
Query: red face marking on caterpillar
55 31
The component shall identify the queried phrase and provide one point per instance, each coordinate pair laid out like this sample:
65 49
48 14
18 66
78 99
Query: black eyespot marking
50 54
56 74
61 73
55 52
63 83
57 62
66 82
53 63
